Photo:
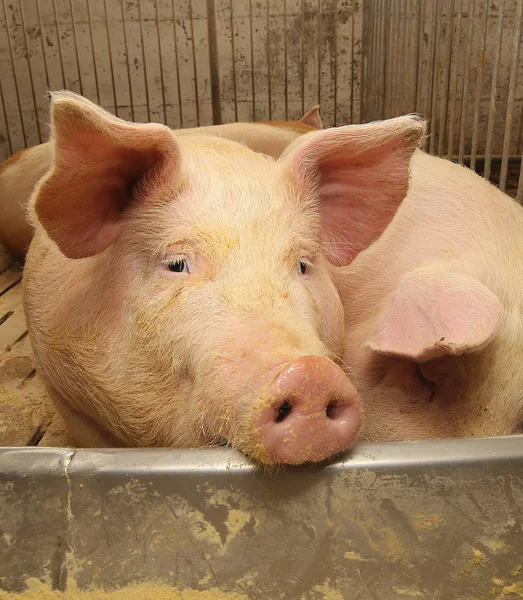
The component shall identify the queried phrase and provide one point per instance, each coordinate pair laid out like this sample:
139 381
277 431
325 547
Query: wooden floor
27 417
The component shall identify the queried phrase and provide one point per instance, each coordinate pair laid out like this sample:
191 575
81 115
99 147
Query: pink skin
315 412
179 288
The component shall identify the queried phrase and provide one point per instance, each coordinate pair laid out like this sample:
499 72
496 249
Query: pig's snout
314 412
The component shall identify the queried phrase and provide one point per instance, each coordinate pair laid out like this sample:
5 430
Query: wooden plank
357 61
311 42
16 363
344 62
293 54
102 54
153 60
133 36
86 59
22 70
67 44
186 73
10 276
169 57
11 300
51 45
13 328
226 60
200 35
243 68
261 85
277 74
327 67
6 260
38 68
5 142
119 60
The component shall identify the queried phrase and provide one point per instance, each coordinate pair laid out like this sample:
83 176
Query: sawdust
36 590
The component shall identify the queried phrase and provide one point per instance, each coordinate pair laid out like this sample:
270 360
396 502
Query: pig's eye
178 265
303 266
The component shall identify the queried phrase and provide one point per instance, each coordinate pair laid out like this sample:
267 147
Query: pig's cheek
329 310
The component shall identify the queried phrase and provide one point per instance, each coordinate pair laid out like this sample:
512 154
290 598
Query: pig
434 307
179 290
20 173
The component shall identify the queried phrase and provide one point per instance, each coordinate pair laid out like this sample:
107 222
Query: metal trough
434 520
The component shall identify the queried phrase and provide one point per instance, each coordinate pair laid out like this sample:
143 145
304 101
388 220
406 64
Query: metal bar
493 93
511 95
479 86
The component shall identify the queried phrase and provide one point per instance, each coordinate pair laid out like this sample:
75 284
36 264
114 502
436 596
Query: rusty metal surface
438 519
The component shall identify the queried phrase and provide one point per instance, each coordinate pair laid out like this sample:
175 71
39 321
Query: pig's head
203 277
444 358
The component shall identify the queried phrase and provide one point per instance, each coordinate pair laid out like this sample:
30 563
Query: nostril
284 411
335 410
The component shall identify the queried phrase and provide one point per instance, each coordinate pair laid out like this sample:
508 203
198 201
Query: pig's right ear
101 165
360 174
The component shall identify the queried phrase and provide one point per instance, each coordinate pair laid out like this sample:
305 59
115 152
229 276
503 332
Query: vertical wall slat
134 51
311 44
493 93
511 96
68 54
276 56
87 62
479 85
226 60
453 81
243 72
201 50
293 62
38 71
466 79
102 54
5 142
186 66
344 62
327 62
22 71
119 65
10 97
357 60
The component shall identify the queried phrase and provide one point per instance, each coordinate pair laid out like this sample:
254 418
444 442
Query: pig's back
450 216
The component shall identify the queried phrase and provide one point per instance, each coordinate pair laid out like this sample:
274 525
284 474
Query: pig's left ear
361 174
312 118
436 312
101 166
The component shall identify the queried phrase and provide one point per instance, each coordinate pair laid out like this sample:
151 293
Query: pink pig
179 290
434 308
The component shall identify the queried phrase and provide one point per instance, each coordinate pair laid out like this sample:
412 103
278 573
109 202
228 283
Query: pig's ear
435 313
312 118
101 165
361 173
